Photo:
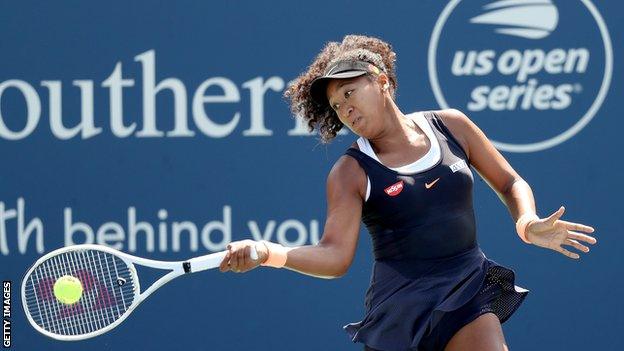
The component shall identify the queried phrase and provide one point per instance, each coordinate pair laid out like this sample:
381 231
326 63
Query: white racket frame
177 268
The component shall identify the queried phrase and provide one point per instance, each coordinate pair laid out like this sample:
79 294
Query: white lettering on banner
502 97
115 83
257 89
303 235
298 227
87 126
177 228
162 233
266 234
224 227
138 233
214 235
315 236
523 65
33 109
24 232
150 89
292 225
134 228
202 120
112 234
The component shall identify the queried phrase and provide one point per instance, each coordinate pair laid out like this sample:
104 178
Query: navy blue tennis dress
429 278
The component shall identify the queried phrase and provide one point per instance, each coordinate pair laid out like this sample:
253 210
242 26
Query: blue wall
223 153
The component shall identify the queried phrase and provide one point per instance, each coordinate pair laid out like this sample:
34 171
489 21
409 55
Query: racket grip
202 263
254 253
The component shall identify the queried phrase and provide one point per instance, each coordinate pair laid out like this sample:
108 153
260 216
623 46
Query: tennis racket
110 288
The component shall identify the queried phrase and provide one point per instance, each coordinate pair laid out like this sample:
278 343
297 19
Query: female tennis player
408 178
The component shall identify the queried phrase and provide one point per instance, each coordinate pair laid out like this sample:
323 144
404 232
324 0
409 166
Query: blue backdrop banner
159 129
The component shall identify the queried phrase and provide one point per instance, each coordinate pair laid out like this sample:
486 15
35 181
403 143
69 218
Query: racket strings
55 315
96 302
108 292
74 318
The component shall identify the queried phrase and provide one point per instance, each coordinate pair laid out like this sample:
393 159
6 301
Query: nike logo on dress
429 185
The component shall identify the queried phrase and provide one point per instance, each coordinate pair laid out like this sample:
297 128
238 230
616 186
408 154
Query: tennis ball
68 289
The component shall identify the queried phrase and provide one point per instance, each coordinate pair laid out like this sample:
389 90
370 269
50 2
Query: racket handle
202 263
254 253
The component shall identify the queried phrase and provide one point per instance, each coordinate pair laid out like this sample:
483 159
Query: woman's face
359 104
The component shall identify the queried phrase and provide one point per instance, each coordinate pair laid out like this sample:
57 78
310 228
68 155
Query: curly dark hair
353 47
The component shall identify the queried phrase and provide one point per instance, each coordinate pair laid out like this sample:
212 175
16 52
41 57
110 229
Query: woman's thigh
482 334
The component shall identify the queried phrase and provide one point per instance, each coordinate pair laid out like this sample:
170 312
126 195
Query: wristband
277 254
522 223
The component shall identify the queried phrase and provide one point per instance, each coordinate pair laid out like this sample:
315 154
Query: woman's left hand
552 233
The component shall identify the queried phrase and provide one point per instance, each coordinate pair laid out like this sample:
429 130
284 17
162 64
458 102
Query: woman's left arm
550 232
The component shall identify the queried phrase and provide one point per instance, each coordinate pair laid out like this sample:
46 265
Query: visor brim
318 88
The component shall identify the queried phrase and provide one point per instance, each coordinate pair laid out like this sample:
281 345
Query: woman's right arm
332 256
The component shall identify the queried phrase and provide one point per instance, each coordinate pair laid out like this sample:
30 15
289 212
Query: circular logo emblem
533 73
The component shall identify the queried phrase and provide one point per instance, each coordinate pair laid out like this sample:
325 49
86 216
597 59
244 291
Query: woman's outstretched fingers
578 227
581 237
568 253
556 215
575 244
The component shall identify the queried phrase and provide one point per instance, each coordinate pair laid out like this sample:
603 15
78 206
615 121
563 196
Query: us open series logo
531 73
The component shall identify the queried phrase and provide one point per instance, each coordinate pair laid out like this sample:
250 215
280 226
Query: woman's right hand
238 258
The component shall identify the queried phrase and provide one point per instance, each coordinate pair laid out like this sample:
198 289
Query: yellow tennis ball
68 289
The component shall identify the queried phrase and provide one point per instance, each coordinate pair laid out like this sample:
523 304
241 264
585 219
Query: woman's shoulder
457 123
453 119
449 114
347 175
348 162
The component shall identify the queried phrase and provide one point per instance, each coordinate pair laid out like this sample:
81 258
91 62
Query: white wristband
277 254
522 223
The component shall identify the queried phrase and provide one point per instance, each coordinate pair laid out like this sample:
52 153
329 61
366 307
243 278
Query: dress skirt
418 304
